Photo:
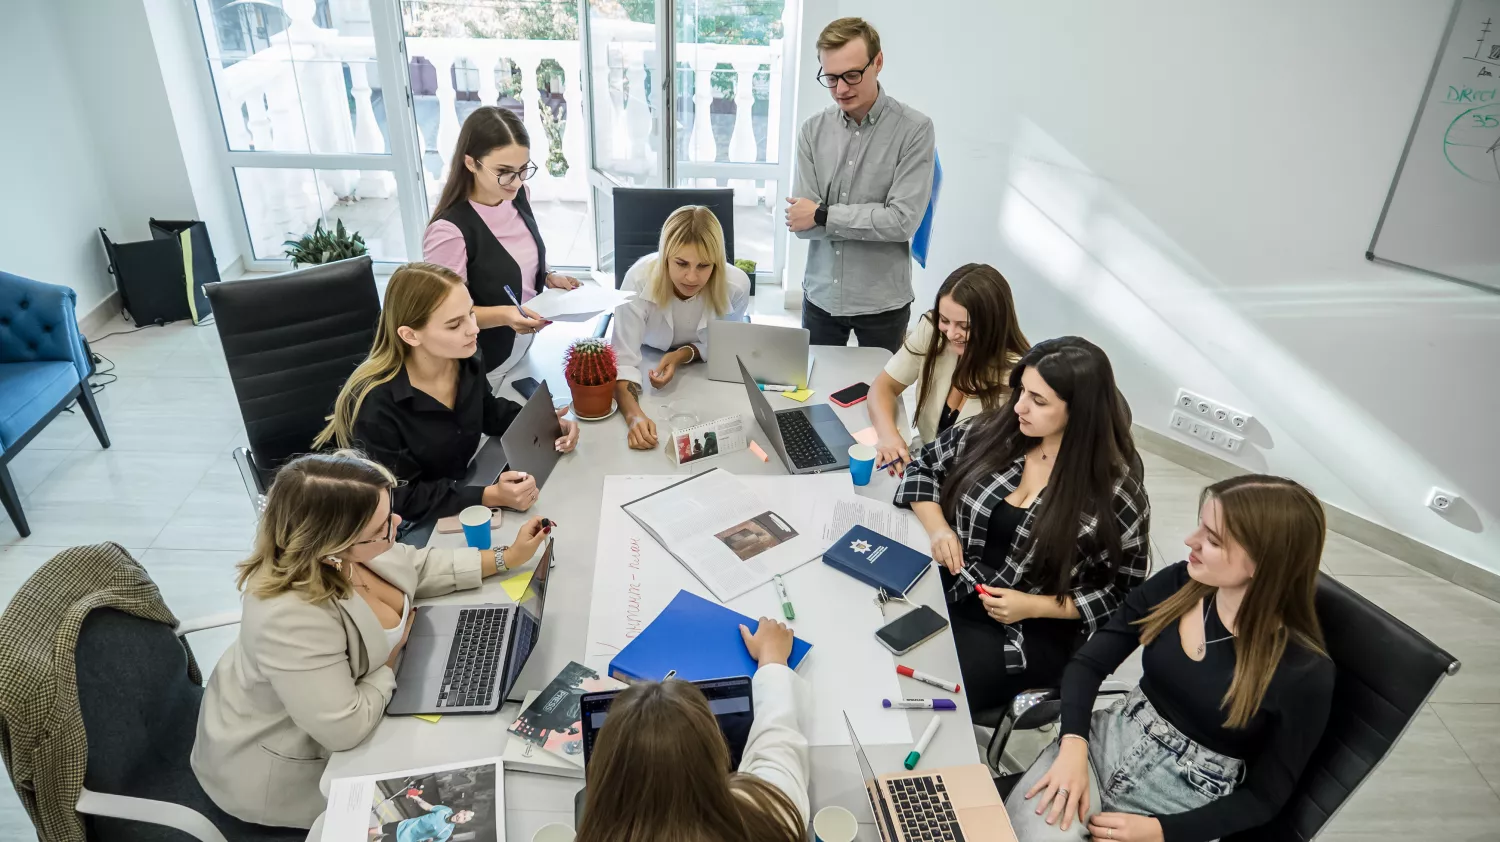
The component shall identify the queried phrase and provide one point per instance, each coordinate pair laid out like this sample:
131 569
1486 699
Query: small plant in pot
324 246
591 370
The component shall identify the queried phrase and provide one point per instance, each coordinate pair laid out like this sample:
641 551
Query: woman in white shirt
960 354
661 770
679 289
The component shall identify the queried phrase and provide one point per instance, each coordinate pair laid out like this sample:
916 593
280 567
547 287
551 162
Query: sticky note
427 717
867 436
516 585
799 395
755 448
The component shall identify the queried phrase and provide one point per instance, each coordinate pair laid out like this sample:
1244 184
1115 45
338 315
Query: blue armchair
43 369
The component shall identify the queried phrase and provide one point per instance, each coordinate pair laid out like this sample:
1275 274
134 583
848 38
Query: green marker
921 746
786 602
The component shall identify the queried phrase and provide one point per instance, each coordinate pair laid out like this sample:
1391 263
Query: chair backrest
640 212
38 323
291 341
139 707
1386 672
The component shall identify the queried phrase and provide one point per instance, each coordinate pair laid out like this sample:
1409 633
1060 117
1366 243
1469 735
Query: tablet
729 699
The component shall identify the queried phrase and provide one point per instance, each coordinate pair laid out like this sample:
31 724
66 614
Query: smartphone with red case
851 395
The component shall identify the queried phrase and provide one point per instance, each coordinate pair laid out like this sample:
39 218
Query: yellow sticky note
799 395
516 585
427 717
867 436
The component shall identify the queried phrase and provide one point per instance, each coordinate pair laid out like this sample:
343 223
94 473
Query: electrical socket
1213 411
1189 425
1441 501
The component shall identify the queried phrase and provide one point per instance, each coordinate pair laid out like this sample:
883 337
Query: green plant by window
324 246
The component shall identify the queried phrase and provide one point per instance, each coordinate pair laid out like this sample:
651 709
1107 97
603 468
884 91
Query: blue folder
697 638
923 238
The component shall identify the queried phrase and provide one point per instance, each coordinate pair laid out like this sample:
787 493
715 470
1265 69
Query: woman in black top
1234 693
1051 519
419 403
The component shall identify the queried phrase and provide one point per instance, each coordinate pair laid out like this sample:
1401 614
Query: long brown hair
487 129
317 507
1097 451
995 337
414 293
1281 526
660 773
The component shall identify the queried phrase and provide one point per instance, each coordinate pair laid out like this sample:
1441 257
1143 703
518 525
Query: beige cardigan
303 681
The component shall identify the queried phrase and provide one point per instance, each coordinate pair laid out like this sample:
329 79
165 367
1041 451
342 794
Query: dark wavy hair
994 335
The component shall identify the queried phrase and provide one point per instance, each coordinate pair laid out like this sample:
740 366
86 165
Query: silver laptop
466 658
528 444
957 803
777 356
809 439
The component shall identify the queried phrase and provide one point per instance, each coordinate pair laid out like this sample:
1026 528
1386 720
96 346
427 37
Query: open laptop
465 658
778 356
953 804
528 444
809 439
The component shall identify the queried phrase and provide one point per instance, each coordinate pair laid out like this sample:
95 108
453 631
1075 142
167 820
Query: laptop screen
729 699
872 787
763 412
528 627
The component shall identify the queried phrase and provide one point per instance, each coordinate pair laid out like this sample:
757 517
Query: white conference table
572 495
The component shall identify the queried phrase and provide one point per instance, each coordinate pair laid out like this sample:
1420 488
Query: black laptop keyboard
474 658
922 807
803 444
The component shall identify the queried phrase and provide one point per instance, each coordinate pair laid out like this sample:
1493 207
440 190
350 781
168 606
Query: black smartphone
911 629
525 386
851 395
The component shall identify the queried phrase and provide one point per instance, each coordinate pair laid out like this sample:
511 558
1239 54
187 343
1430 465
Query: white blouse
642 323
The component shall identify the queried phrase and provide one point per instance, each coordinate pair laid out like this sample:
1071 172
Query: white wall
1192 185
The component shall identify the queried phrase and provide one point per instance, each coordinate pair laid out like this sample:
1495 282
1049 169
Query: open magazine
724 533
456 801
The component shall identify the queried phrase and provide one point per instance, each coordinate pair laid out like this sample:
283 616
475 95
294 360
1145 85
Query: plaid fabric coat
1096 592
41 730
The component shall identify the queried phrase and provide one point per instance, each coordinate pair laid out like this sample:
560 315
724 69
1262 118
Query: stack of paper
577 305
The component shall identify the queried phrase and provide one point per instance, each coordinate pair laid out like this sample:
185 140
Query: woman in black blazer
484 229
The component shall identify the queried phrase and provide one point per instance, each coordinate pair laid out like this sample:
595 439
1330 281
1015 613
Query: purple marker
920 704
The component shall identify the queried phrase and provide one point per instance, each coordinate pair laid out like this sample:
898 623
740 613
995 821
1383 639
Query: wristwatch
820 216
500 557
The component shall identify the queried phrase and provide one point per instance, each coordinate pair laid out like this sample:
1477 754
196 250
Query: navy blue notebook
878 561
697 638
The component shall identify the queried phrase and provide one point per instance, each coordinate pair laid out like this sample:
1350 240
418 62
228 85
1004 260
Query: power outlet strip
1212 411
1204 431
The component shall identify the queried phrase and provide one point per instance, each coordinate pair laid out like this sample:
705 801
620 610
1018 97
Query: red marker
950 686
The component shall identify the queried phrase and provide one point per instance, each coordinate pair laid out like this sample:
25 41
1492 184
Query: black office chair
1386 672
291 340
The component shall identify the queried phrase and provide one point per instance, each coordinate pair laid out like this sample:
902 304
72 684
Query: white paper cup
555 832
835 824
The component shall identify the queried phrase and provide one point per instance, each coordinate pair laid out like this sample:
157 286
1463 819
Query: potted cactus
591 372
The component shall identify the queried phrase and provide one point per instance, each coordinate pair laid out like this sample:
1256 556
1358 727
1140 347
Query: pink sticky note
867 436
755 448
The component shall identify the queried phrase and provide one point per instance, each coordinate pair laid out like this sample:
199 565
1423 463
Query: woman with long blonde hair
1235 687
682 286
660 770
420 401
327 609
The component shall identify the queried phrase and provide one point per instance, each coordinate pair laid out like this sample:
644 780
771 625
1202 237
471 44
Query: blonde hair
415 292
691 225
317 507
844 30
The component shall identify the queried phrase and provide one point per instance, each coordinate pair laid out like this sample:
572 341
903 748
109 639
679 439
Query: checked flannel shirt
923 483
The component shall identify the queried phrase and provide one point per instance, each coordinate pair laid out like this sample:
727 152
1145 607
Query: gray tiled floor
168 491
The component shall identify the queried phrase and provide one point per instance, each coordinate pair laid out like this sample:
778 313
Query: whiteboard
1442 214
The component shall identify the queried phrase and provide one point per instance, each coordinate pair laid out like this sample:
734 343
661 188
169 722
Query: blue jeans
1138 763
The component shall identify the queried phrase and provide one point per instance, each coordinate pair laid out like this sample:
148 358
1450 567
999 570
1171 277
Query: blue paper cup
835 824
476 523
861 463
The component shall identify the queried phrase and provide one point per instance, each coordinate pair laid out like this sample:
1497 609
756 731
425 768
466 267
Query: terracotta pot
592 401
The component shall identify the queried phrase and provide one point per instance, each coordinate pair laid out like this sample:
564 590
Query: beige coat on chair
301 682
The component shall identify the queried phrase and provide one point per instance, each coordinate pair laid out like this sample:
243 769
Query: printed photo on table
691 446
756 535
456 804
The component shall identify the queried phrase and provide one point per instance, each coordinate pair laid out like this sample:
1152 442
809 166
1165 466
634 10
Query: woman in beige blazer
327 607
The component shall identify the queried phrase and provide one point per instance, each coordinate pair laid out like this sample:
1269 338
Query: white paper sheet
635 578
589 300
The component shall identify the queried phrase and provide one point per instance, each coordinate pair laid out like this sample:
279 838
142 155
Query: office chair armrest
251 479
210 621
163 813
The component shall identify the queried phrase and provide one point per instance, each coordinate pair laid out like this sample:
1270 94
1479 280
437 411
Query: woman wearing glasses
327 609
483 229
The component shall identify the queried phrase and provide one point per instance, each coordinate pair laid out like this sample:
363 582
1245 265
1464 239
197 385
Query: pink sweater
444 245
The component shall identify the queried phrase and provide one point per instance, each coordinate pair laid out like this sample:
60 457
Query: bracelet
500 558
1077 737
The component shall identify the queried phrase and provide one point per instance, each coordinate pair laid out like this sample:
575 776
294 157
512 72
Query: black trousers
1049 645
876 330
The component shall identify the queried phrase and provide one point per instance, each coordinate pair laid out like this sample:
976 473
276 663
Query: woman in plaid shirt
1038 518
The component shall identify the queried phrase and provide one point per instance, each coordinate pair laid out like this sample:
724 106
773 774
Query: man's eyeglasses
390 524
852 77
507 177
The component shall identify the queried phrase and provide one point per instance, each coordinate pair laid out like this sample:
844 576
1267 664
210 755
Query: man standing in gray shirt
864 175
